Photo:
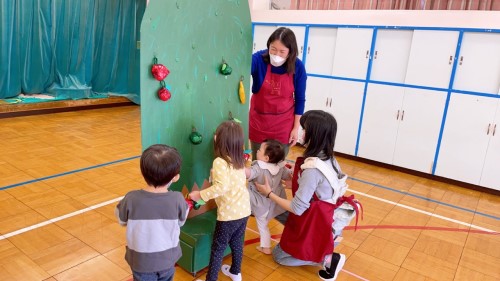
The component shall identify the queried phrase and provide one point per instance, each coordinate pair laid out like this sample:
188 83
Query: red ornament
159 71
164 94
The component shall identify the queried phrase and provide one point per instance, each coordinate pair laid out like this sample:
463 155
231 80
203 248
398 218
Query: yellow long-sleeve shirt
229 190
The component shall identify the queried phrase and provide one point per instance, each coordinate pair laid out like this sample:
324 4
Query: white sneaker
225 269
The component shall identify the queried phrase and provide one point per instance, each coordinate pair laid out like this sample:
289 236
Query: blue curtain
72 48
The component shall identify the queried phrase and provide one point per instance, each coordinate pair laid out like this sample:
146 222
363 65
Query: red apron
272 109
308 237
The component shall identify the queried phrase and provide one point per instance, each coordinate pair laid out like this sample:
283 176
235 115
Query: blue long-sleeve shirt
259 69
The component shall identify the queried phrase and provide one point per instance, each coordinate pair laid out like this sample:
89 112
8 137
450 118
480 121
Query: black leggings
227 232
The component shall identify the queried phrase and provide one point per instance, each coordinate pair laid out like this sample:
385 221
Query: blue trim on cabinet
447 103
368 72
375 28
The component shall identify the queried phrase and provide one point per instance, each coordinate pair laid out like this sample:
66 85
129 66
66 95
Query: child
153 216
231 195
269 164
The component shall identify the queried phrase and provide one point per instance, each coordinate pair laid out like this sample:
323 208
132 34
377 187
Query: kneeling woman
307 238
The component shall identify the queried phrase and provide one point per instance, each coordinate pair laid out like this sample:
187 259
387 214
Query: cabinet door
478 67
320 50
465 137
491 169
380 122
418 131
352 52
431 58
390 56
260 35
318 93
300 36
346 100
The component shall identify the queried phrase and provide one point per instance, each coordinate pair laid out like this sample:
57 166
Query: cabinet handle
254 46
494 129
397 116
326 104
367 53
308 50
375 57
488 132
330 104
301 49
402 115
461 60
451 60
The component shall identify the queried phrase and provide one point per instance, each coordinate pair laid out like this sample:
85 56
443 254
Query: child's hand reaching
195 195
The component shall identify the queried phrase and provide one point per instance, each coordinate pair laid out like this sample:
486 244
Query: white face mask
277 60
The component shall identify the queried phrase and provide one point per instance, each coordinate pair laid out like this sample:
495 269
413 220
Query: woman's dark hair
229 142
287 37
160 164
274 150
320 130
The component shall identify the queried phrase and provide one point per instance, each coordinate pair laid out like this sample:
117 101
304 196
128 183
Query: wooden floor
61 175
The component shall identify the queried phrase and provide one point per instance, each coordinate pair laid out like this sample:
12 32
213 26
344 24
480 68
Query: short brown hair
160 164
274 150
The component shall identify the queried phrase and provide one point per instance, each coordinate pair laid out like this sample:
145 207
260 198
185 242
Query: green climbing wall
191 38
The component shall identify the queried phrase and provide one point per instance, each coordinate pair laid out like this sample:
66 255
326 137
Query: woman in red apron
278 99
307 238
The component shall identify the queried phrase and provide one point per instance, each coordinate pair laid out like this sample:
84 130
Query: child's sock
328 261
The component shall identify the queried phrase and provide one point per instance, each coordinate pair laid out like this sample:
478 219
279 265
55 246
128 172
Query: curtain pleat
70 47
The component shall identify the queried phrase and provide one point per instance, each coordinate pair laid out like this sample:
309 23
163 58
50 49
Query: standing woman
279 85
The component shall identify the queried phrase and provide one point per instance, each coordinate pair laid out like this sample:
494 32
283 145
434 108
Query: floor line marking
346 271
425 198
290 161
68 172
422 211
4 236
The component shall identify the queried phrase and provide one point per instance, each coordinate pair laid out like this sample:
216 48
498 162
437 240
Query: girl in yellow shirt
232 198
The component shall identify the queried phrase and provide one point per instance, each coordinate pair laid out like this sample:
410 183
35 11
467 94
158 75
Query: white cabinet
431 58
418 132
401 126
490 177
300 36
346 100
343 99
468 132
261 34
380 122
320 50
390 56
352 52
478 67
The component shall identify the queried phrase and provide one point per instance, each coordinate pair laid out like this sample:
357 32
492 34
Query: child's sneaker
331 273
225 269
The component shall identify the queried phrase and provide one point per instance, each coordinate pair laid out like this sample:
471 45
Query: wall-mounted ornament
225 69
241 91
231 118
163 93
195 137
159 71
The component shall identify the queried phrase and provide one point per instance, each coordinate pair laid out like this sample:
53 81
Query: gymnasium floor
62 174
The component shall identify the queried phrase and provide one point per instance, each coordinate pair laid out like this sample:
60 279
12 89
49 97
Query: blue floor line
426 199
291 161
67 173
